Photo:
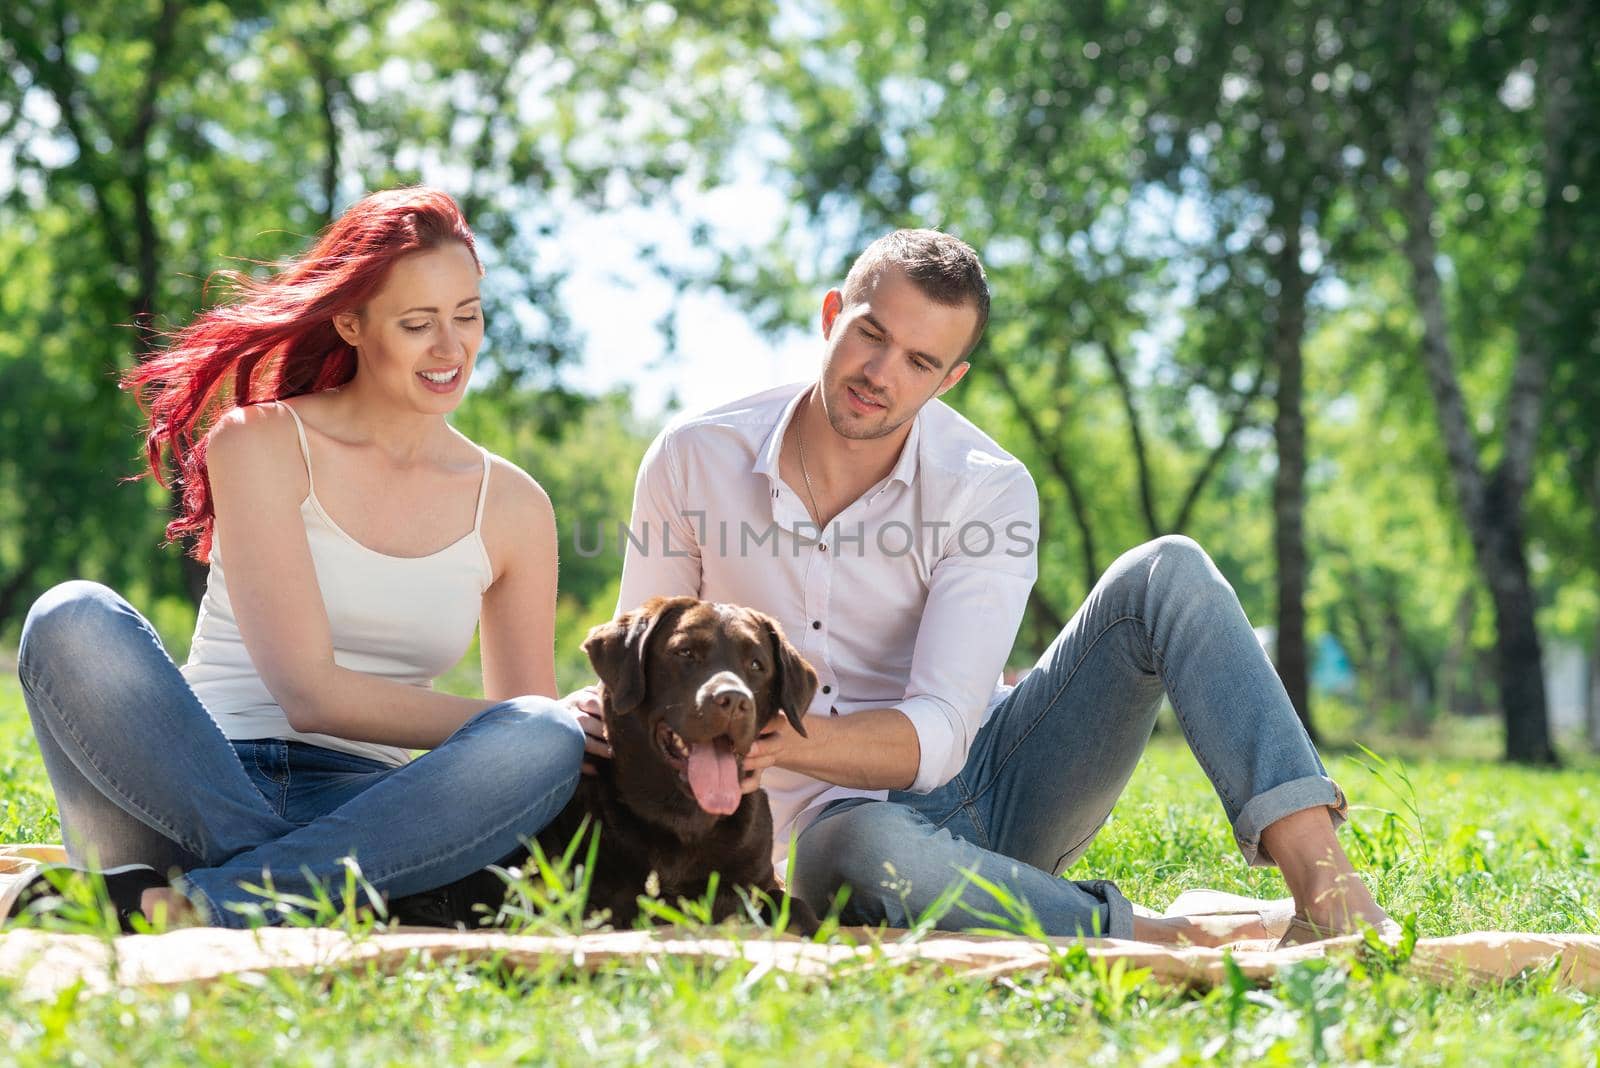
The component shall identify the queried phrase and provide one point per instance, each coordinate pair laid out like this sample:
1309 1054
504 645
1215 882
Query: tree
1256 119
1018 129
1175 204
1426 83
153 141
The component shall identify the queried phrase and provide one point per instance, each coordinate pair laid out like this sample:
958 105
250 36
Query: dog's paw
802 921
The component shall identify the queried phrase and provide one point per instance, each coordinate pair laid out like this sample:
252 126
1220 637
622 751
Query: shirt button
816 624
823 547
827 689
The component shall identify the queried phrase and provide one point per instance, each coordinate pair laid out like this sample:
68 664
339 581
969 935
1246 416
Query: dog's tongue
714 776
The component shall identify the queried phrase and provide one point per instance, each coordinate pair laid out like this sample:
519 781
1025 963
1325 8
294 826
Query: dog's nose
724 702
733 701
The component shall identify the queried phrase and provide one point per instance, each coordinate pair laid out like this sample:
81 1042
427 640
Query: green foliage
1132 176
1023 132
550 894
586 464
1538 870
150 144
356 909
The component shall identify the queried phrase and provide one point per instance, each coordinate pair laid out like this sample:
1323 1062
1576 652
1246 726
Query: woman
355 542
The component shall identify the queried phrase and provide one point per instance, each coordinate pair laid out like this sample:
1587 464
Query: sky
613 299
719 357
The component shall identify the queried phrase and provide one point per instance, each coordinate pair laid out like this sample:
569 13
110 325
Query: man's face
889 353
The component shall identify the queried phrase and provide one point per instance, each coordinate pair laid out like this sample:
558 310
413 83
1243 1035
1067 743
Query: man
897 545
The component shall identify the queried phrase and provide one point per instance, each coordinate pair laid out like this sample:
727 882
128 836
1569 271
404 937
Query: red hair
277 338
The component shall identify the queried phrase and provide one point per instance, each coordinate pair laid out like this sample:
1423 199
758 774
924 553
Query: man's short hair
942 266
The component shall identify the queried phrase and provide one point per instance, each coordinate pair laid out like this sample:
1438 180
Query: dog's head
693 683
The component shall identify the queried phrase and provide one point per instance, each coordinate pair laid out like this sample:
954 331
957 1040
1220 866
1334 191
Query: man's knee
1172 562
70 626
865 849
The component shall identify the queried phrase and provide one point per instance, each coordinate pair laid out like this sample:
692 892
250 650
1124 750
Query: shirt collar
767 456
905 468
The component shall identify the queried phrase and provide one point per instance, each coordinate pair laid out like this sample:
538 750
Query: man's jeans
1047 767
142 774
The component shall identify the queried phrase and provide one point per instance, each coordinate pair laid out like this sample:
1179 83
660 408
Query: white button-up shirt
910 599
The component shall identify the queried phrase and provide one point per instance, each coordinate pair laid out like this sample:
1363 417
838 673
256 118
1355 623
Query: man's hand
874 749
777 741
585 707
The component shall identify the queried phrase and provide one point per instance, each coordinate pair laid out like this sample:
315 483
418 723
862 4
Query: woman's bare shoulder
517 514
512 490
254 423
253 442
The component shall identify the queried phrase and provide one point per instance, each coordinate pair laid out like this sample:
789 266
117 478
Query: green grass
1466 845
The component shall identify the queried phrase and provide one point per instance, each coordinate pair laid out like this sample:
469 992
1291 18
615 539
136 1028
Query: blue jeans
1046 769
142 774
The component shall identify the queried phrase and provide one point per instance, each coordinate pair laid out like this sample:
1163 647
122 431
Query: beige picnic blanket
42 963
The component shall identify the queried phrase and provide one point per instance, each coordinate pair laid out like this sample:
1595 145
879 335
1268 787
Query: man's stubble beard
838 420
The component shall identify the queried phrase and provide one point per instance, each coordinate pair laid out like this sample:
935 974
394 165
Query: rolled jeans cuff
1285 799
1119 910
214 914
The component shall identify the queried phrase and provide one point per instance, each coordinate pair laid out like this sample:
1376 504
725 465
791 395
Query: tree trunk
136 154
147 236
1455 696
1141 454
1364 655
1237 421
10 593
1047 622
1592 700
1060 466
1288 487
327 96
1594 656
1522 694
1492 510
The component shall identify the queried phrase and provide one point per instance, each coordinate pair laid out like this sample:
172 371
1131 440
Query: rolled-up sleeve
661 557
976 597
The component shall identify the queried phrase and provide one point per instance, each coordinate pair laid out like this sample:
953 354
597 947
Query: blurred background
1317 284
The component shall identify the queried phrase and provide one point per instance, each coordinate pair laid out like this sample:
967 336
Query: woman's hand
586 708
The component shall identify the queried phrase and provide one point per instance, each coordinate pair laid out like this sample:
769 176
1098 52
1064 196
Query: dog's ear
794 682
618 649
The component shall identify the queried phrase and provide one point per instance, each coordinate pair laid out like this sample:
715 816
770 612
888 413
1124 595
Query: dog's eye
756 665
686 651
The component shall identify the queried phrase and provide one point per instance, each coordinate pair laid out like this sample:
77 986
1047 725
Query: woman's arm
516 634
257 484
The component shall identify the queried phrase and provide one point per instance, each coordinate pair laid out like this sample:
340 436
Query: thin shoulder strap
305 449
483 493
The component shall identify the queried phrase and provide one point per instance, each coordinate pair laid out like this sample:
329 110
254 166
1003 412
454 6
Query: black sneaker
430 908
125 886
465 905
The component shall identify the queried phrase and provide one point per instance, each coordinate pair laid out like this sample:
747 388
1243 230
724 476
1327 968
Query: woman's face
417 338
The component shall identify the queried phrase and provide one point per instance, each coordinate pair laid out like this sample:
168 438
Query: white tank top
405 619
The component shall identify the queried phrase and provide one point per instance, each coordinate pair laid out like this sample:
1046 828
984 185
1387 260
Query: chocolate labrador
686 687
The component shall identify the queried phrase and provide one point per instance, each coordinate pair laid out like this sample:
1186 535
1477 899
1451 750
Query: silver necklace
816 513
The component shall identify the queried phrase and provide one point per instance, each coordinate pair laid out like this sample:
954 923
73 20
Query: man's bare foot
1329 896
1340 904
